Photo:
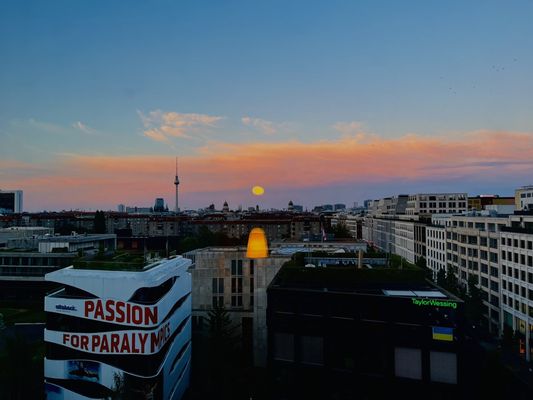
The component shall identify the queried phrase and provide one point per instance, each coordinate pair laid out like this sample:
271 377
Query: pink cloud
220 168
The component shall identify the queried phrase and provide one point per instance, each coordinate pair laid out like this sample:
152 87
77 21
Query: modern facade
332 334
472 250
119 333
11 201
516 247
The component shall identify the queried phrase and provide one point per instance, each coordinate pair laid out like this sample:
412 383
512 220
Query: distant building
121 208
524 198
290 207
75 243
298 208
367 204
159 205
114 331
25 259
11 201
436 203
480 202
349 333
339 206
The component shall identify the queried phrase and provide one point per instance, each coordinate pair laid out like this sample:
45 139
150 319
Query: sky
317 101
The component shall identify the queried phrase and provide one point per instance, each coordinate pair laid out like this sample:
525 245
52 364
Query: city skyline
340 103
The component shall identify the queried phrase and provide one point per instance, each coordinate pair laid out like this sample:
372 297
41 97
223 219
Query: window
408 363
218 285
236 267
236 285
218 301
236 300
443 367
312 350
494 286
284 346
252 267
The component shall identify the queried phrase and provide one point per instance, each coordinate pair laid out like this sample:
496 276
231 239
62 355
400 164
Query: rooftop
347 279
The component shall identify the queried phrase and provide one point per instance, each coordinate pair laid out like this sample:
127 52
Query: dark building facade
341 332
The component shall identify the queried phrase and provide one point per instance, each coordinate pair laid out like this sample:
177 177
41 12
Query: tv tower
176 183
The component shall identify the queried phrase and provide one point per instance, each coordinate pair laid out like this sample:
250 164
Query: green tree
341 231
441 278
224 353
99 222
474 302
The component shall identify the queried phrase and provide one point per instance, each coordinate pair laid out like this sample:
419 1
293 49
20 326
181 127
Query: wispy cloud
349 128
264 126
84 128
161 126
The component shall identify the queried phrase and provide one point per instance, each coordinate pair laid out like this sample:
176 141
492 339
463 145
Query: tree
441 278
224 353
474 302
341 231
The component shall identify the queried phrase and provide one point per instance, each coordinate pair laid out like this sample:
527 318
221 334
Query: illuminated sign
120 312
434 303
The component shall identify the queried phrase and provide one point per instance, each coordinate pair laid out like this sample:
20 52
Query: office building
11 201
117 332
341 332
516 249
472 250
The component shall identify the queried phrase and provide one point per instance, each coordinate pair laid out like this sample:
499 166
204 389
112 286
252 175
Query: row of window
518 258
517 273
518 243
407 361
517 305
518 290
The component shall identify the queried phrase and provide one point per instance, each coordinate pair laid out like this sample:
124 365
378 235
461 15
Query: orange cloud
224 168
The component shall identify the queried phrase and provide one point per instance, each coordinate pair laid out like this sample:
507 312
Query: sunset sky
319 102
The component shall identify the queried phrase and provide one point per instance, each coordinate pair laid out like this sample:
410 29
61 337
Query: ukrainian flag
442 333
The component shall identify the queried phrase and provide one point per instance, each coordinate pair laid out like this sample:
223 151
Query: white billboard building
119 334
